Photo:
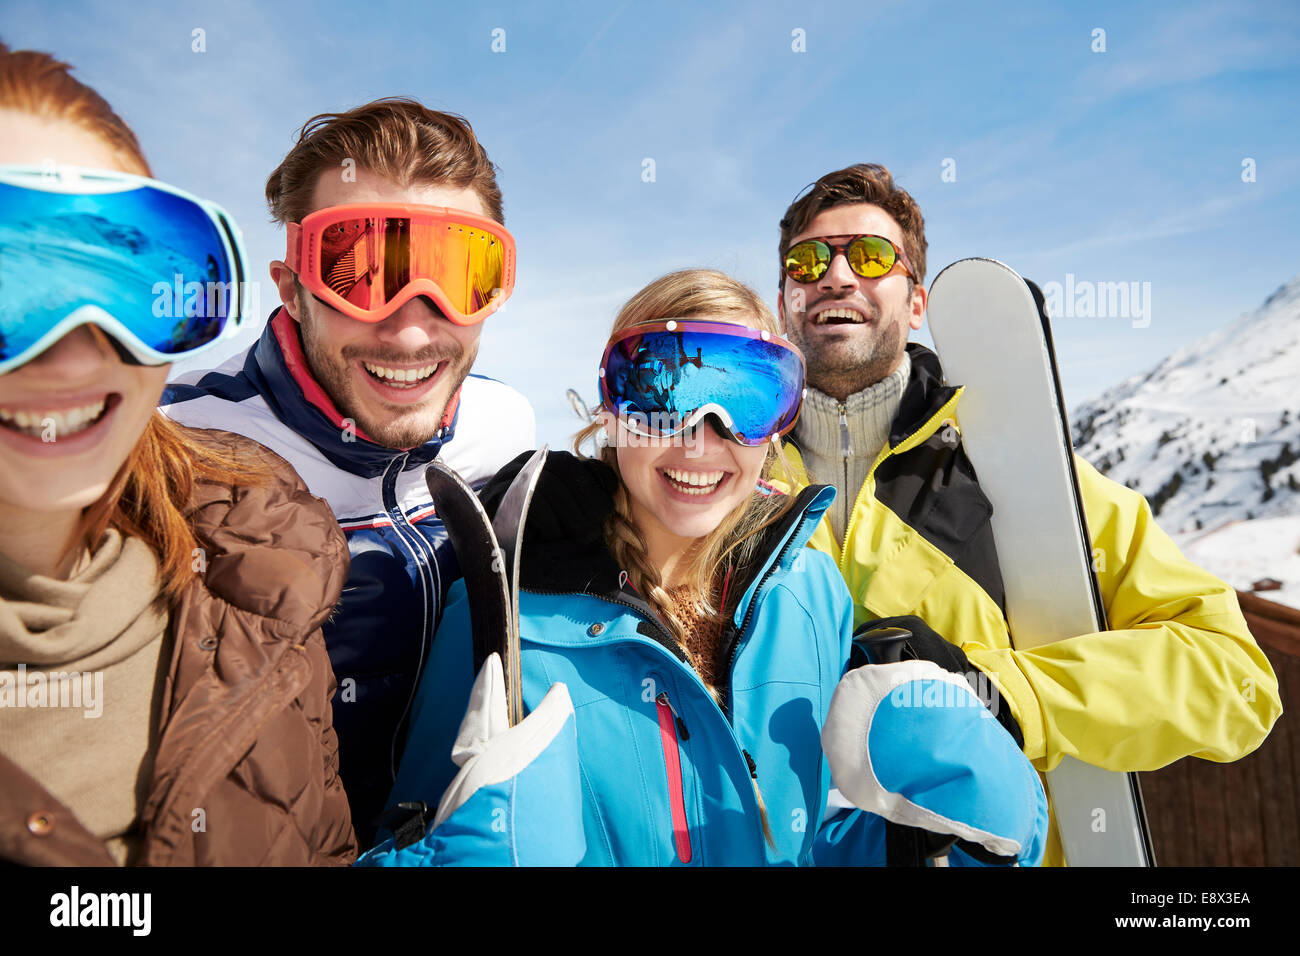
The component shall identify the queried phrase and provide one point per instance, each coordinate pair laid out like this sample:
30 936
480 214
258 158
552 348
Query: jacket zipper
846 451
423 561
734 634
669 725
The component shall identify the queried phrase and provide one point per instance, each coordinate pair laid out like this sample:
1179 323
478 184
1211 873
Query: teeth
851 314
399 375
66 421
698 482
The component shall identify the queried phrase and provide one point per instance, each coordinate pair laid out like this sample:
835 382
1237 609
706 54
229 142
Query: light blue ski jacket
668 776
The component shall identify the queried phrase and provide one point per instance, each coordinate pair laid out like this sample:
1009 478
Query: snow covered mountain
1212 433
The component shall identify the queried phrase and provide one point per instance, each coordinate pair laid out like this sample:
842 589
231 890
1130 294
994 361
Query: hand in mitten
911 742
517 800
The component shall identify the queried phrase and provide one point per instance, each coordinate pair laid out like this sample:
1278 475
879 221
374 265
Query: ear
286 284
918 306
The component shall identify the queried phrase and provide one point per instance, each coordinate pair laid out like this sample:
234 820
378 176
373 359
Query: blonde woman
667 586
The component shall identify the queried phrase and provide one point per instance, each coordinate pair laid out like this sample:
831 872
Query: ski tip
963 265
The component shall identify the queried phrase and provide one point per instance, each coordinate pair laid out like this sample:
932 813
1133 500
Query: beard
396 426
842 365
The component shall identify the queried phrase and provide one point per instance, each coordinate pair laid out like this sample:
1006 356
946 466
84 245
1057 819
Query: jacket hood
278 368
564 546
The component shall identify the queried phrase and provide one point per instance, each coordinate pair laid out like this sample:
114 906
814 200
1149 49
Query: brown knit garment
703 636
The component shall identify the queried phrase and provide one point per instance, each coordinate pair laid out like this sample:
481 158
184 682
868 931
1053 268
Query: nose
79 356
707 436
838 276
415 325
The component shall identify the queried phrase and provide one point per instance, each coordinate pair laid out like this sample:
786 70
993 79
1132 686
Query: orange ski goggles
367 260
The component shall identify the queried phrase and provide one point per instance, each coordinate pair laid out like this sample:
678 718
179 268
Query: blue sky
1115 166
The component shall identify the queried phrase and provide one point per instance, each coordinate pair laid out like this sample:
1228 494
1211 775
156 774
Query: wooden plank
1209 829
1285 790
1242 807
1167 793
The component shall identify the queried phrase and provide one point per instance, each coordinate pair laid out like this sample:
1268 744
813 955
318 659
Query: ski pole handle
904 846
883 645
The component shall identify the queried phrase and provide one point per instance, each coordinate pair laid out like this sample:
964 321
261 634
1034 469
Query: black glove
926 644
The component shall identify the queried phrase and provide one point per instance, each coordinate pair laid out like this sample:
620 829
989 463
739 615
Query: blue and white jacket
668 775
401 560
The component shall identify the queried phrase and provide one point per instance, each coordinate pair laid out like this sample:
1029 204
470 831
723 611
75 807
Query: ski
481 563
993 337
490 572
508 525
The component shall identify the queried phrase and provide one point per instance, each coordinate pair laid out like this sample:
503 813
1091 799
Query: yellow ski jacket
1178 673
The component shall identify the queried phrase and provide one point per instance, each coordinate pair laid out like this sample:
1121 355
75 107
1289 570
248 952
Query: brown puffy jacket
246 734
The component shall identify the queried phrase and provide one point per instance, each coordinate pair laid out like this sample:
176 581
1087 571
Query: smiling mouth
401 378
65 422
698 483
840 317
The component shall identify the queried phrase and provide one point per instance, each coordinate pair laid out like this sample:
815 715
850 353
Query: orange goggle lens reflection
368 262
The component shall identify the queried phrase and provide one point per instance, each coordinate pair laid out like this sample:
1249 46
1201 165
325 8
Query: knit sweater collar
869 414
104 613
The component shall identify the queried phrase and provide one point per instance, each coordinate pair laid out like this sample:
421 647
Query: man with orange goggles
362 377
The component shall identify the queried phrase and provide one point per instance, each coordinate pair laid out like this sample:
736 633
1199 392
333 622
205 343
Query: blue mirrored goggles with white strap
160 270
664 378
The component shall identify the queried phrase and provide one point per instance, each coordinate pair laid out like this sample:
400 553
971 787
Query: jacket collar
278 368
925 394
564 547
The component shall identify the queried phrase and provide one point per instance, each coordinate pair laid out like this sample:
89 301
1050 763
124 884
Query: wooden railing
1245 813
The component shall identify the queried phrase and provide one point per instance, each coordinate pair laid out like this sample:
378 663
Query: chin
58 493
697 524
407 430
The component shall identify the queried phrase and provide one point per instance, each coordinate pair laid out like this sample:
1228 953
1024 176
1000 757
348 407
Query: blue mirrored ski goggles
663 378
160 270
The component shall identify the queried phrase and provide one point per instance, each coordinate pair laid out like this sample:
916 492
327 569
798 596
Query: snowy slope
1212 433
1244 552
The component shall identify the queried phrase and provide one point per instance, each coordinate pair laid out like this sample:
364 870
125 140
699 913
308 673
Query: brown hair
150 494
396 137
864 182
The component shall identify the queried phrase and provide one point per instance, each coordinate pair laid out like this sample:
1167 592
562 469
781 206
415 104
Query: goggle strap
293 247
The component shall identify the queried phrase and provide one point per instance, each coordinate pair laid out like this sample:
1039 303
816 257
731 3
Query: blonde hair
733 544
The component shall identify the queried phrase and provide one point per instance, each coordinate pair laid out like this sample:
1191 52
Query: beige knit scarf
81 675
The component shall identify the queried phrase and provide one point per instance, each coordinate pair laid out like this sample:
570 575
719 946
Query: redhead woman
164 690
707 654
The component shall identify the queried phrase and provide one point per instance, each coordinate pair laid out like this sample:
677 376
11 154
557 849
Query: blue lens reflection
668 376
151 259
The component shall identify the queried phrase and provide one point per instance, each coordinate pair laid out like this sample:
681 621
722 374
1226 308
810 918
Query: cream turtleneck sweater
839 441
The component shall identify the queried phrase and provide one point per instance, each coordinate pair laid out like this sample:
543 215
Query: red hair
150 496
